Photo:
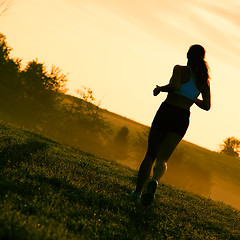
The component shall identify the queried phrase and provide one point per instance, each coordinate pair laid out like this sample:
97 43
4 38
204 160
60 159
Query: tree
89 112
10 86
231 147
121 142
4 49
6 62
42 86
140 143
40 93
56 80
122 135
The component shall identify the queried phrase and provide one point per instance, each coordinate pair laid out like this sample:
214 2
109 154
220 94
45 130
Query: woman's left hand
156 90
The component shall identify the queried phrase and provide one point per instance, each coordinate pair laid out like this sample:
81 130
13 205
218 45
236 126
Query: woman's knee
161 164
159 169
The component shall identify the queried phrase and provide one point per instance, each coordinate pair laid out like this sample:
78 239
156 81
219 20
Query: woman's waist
179 101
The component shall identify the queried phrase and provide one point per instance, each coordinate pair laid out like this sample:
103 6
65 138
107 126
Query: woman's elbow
207 107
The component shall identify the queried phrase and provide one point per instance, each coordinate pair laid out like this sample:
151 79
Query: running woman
172 118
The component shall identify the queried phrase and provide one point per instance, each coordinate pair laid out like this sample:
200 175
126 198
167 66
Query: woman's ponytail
196 55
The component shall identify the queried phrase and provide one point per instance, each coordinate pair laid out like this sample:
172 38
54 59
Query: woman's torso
188 81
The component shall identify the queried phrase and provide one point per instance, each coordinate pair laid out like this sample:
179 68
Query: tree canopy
231 146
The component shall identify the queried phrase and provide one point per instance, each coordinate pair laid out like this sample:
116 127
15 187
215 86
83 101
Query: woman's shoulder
181 68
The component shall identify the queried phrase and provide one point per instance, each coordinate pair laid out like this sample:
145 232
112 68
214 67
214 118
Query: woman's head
196 56
196 52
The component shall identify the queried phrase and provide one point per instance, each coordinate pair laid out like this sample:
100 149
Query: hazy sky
122 48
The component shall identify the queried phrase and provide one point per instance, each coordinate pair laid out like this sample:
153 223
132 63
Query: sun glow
122 49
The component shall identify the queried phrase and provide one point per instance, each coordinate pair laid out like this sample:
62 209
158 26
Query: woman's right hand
156 90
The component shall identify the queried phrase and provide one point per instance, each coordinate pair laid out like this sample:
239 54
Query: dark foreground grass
50 191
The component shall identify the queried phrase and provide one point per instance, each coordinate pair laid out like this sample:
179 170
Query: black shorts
171 118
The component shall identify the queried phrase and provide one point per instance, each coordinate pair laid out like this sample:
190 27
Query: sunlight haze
121 49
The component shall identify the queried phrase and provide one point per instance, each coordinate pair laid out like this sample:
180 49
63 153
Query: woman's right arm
205 103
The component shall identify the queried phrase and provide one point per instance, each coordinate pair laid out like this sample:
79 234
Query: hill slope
50 191
191 167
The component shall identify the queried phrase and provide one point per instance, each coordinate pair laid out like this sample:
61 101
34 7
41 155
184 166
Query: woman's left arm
174 83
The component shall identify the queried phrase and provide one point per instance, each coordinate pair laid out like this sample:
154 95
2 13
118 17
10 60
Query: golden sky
122 48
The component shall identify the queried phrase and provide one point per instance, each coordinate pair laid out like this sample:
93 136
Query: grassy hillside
50 191
191 167
216 172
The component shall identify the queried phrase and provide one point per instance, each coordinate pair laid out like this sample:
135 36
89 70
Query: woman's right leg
144 172
154 142
168 145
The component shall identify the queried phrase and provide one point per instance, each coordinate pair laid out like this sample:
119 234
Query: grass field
51 191
191 167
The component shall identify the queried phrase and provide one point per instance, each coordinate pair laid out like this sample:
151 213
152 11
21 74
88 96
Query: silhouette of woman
172 118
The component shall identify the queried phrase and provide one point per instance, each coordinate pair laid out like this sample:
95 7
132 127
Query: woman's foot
135 196
148 197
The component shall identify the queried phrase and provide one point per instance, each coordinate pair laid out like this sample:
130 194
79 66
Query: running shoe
135 196
148 197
